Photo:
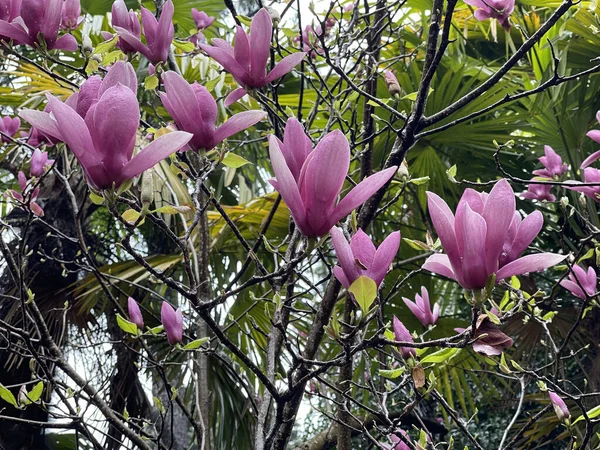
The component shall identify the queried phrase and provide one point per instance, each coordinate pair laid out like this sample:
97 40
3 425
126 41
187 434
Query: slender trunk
344 438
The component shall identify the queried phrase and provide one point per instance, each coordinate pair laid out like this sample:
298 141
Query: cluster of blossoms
553 170
171 319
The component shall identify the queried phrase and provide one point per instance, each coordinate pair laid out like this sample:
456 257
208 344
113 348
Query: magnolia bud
392 83
22 397
403 170
97 58
86 45
275 17
147 196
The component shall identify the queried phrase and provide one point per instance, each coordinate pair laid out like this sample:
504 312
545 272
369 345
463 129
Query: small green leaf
96 199
159 405
126 325
592 414
196 344
234 161
106 45
35 394
451 173
184 46
131 216
151 83
417 245
364 290
419 181
171 209
392 373
8 396
91 66
157 330
440 356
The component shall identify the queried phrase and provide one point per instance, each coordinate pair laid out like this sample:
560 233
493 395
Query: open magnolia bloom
312 196
104 142
421 308
195 110
493 9
486 238
158 33
553 164
580 283
246 61
33 22
126 20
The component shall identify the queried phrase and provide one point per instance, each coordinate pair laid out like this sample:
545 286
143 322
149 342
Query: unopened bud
97 58
392 83
275 17
22 398
86 45
147 196
403 170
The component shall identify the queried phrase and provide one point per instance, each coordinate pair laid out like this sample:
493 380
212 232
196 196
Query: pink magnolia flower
247 62
590 175
9 126
397 442
402 334
172 322
539 192
312 197
26 194
493 9
421 308
361 258
35 138
135 315
39 163
595 135
486 237
553 165
202 19
71 12
581 284
105 141
158 34
127 20
392 82
559 405
489 340
195 110
29 20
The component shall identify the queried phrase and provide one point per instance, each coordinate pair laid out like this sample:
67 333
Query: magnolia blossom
126 20
247 62
34 138
559 405
392 82
397 442
135 315
195 110
39 163
158 34
26 194
553 165
201 19
539 192
9 126
595 135
421 308
172 321
312 194
402 334
105 141
70 15
493 9
486 237
488 339
361 258
581 284
29 20
590 175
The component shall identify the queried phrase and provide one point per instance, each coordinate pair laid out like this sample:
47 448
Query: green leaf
106 45
417 245
171 209
91 66
419 181
151 83
127 326
364 290
157 330
8 396
234 161
392 373
34 395
451 173
440 356
592 414
96 199
196 344
131 216
184 46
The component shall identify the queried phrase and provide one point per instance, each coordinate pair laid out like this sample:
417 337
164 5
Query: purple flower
70 15
493 9
35 138
581 284
158 34
135 315
202 19
421 308
392 82
9 126
402 334
590 175
560 407
127 20
486 237
553 165
489 340
26 191
539 192
313 197
397 442
247 62
173 322
595 135
195 110
39 163
361 258
26 21
105 141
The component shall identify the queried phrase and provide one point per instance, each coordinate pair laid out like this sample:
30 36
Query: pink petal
133 41
341 276
363 248
121 72
440 264
528 229
474 228
384 256
297 146
595 135
241 49
285 66
182 103
237 123
155 152
593 157
66 42
14 32
261 31
228 62
529 263
498 214
234 96
573 288
42 121
344 255
443 222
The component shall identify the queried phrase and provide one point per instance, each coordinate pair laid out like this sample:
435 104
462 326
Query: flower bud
560 408
172 322
135 315
86 45
392 83
147 196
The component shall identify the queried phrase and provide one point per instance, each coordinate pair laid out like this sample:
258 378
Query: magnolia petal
440 264
261 31
443 222
237 123
133 41
285 66
234 96
344 255
574 288
241 48
384 256
475 229
529 263
528 229
182 103
594 156
595 135
227 61
341 276
14 32
121 72
155 152
414 308
498 214
42 121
